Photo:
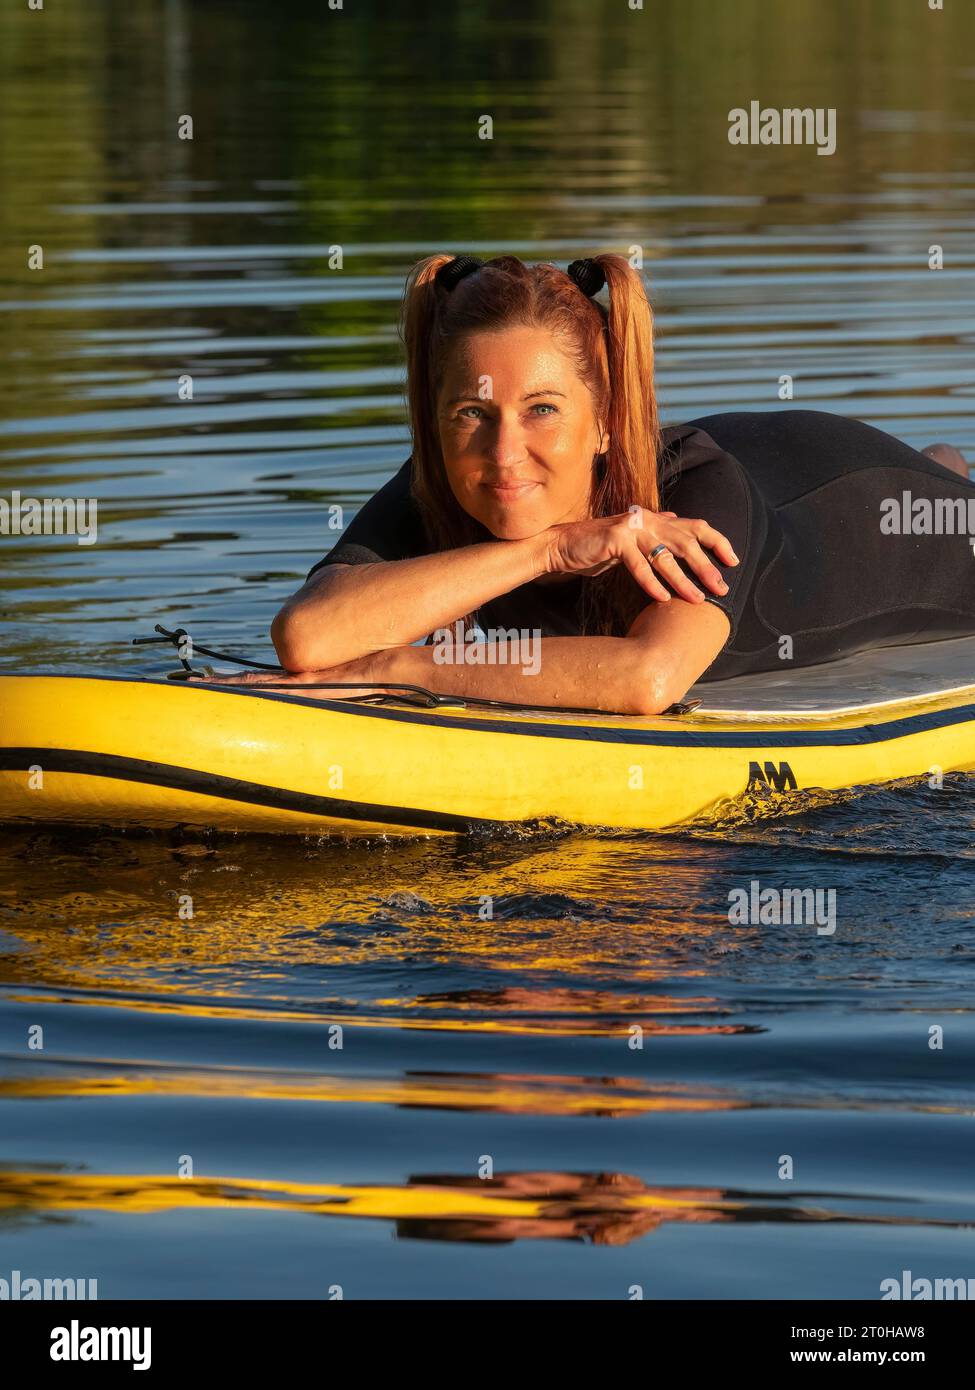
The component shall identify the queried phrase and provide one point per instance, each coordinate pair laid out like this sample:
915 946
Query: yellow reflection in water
499 1093
517 1204
607 1208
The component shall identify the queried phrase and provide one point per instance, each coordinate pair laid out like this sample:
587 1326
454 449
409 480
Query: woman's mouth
509 492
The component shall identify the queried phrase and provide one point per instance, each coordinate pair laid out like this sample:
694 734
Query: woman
543 497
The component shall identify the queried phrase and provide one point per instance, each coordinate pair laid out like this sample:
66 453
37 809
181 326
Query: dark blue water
337 1073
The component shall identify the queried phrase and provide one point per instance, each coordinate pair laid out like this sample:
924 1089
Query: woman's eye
476 412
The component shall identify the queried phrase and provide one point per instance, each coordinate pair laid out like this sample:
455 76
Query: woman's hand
592 546
362 669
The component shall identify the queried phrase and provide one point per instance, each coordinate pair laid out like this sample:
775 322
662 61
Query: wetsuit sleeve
708 483
387 527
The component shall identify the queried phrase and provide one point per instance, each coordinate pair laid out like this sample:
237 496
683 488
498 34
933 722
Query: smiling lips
510 491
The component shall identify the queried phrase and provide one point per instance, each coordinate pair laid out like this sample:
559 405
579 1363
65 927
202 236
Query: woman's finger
704 568
667 566
245 677
642 571
714 540
306 681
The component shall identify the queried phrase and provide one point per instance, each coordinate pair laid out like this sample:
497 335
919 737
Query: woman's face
518 432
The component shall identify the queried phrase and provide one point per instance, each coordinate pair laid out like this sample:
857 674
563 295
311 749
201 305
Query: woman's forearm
348 611
606 673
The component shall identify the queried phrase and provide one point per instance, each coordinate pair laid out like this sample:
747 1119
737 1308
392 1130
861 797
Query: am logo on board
779 777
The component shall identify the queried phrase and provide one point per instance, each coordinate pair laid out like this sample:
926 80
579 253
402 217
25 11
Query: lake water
469 1047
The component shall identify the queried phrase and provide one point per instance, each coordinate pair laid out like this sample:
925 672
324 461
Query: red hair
613 352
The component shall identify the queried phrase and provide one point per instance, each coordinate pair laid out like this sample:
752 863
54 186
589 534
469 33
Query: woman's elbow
293 649
651 692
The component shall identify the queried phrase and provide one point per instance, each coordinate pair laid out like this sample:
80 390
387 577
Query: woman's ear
604 442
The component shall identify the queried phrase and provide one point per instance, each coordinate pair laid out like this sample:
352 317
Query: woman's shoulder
694 472
700 479
688 446
386 527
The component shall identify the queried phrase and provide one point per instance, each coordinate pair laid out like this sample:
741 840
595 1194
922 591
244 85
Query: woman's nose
506 440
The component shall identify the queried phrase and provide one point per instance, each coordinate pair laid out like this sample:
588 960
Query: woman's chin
513 528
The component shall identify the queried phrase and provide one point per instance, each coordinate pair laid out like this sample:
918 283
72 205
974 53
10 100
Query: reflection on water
337 1032
340 1030
601 1208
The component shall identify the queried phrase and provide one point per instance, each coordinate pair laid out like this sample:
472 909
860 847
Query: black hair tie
588 275
452 272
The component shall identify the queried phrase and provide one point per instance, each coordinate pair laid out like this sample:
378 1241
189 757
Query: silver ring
656 551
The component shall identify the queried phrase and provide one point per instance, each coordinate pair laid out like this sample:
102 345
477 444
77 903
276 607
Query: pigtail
633 420
419 330
629 473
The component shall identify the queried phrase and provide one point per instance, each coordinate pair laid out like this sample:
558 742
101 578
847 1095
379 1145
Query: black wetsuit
800 494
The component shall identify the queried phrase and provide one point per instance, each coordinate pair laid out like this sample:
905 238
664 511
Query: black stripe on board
230 788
